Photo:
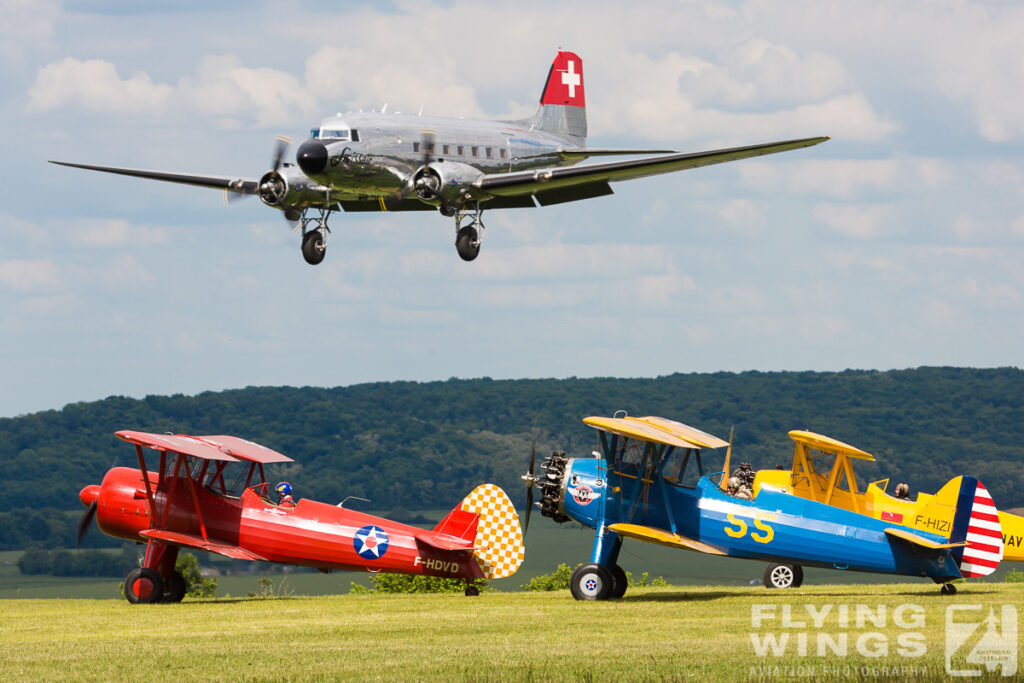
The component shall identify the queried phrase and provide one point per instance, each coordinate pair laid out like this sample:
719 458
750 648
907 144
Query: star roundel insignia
370 542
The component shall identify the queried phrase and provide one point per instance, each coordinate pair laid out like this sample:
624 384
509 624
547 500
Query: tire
948 589
464 243
313 247
174 588
472 591
783 576
619 582
143 586
591 582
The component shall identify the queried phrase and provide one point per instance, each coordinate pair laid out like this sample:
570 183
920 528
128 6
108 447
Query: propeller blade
529 487
282 147
427 142
724 484
85 522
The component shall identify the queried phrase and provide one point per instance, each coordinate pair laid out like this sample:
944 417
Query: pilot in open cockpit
284 495
737 489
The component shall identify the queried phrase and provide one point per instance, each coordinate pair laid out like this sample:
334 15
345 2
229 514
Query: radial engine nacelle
290 190
449 183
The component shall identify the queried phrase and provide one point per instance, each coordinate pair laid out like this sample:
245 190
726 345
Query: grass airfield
665 633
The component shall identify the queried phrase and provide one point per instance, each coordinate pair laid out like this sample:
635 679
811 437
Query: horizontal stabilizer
921 541
652 535
457 531
199 543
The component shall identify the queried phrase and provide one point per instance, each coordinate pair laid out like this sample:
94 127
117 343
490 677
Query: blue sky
898 243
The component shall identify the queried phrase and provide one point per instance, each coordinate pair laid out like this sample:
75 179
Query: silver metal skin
379 161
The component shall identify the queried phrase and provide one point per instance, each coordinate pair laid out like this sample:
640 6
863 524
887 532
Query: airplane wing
237 185
662 537
920 541
597 176
199 543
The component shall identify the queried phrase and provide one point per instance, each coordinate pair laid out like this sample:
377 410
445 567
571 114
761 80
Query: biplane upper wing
637 428
827 444
176 443
600 174
200 543
662 537
244 449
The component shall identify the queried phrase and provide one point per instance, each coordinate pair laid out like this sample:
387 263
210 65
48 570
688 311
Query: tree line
425 445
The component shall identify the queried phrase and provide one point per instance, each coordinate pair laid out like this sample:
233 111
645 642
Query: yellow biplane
822 471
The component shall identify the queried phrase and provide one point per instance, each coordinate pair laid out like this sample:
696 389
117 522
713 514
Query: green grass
679 633
547 545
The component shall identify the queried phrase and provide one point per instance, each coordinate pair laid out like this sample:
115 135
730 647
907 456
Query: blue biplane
649 484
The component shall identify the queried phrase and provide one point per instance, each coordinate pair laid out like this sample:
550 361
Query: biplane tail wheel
174 588
619 582
783 576
143 585
591 582
472 591
948 589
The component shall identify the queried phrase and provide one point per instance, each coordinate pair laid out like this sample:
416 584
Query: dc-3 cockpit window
335 132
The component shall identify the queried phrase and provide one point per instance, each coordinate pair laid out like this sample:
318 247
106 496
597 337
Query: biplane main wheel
313 247
467 244
619 582
174 588
783 576
591 582
948 589
143 585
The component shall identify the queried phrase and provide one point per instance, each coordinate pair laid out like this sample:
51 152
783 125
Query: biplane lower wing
199 543
920 541
662 537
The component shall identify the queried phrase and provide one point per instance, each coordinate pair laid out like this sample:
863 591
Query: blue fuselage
775 526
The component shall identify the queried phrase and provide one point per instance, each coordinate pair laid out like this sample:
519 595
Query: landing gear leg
314 241
468 237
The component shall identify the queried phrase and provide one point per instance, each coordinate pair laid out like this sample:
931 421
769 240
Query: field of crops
677 633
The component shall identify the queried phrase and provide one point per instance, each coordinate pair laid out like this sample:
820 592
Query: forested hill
425 445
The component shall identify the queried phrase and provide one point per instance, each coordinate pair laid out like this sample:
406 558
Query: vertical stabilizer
977 522
563 109
499 540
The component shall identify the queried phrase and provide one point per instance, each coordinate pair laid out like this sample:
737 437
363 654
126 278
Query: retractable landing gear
314 241
468 237
783 576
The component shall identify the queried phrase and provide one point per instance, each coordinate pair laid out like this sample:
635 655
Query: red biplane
210 493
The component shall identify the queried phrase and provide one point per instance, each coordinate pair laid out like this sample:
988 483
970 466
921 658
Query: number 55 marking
740 529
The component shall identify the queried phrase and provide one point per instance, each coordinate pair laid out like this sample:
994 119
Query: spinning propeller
529 479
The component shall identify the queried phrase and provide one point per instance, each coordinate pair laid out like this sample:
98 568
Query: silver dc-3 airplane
393 162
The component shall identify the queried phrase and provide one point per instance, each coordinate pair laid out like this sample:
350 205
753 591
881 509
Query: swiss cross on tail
565 81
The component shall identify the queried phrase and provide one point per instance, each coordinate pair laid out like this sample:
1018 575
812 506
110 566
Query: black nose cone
312 157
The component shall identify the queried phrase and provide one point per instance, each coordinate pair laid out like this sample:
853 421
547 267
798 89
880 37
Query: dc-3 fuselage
378 161
209 493
650 484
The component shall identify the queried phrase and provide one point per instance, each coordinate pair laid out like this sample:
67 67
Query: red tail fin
459 524
565 81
